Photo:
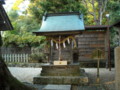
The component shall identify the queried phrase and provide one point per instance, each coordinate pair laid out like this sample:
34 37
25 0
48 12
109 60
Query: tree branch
94 9
104 6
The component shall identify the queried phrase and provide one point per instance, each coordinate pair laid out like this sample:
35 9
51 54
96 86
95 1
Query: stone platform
63 74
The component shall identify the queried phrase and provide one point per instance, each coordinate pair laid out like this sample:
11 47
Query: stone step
57 87
77 80
61 70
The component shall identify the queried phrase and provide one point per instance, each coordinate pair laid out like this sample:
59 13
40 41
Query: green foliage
114 38
13 15
22 22
114 10
26 23
37 57
24 39
38 7
16 4
32 17
22 35
0 40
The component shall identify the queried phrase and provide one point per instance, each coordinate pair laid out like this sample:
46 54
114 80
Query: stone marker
57 87
117 68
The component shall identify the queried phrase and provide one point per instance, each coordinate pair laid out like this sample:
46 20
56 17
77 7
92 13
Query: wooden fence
20 55
21 58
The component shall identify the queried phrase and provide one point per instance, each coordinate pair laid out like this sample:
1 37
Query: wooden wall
90 41
87 42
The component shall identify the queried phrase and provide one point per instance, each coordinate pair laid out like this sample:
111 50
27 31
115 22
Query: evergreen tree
38 7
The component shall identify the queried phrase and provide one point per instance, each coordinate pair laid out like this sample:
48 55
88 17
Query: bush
37 57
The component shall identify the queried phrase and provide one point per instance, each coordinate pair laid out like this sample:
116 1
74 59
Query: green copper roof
62 22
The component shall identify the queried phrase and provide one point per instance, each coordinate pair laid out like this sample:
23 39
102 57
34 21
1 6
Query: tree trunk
7 81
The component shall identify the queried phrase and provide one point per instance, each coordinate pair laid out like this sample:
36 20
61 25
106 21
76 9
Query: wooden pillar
106 50
108 46
51 51
117 68
71 52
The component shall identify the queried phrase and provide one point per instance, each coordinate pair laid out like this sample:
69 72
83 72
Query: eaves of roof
5 23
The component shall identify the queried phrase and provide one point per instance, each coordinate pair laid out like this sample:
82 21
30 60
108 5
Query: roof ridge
62 14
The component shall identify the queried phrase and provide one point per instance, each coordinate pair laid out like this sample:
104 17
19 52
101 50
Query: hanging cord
62 41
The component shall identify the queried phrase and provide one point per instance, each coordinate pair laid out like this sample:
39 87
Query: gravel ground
27 74
107 78
105 75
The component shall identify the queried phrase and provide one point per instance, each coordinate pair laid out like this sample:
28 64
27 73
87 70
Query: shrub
37 57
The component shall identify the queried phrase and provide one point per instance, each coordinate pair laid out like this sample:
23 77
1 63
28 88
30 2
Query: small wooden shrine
71 42
83 39
61 29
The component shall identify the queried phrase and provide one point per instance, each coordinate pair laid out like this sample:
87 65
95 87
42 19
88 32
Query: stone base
61 74
66 80
61 70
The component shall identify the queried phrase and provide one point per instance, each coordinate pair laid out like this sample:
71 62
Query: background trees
113 8
30 20
96 10
22 35
37 8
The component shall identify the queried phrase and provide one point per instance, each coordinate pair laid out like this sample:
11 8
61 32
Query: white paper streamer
56 46
68 41
52 43
64 45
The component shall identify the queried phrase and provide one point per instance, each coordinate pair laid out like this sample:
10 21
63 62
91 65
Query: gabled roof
61 23
5 23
